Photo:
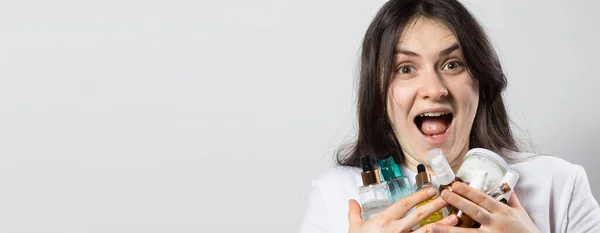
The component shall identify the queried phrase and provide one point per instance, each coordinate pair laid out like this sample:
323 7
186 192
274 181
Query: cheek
473 95
400 99
474 84
467 95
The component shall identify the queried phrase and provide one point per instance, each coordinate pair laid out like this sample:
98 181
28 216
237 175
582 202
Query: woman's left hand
494 216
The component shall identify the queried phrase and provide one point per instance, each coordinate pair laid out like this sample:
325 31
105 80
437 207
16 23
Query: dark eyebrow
444 52
449 50
406 52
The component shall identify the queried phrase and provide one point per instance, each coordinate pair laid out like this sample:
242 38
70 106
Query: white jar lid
487 153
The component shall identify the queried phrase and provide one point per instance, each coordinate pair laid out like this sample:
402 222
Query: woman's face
432 99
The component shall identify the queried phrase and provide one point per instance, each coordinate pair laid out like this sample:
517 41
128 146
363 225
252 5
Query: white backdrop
187 116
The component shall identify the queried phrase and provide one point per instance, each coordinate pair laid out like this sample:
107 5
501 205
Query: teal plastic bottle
390 172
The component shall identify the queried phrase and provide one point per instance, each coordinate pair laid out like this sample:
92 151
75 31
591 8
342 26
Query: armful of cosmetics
481 169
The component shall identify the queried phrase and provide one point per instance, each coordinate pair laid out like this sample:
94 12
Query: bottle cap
365 161
441 167
478 179
422 176
369 174
389 169
510 177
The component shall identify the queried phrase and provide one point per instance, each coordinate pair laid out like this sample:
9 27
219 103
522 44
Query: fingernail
457 185
436 228
431 192
445 194
453 219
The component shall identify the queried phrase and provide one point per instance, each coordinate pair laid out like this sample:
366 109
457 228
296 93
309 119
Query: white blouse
555 193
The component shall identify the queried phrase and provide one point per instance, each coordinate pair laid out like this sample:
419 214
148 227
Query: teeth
433 114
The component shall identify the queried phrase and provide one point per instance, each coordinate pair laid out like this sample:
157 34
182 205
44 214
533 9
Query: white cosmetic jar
486 160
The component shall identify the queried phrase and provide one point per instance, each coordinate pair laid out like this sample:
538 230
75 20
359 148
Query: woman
431 56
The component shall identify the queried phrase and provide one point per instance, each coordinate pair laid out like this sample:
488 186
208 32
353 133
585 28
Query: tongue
433 126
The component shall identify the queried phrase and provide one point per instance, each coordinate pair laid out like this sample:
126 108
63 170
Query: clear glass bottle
423 181
374 196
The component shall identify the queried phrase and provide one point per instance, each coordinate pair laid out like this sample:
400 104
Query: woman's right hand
391 221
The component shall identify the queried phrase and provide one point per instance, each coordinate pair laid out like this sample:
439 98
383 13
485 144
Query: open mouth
434 124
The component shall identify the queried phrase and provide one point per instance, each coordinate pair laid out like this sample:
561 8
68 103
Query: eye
406 69
451 65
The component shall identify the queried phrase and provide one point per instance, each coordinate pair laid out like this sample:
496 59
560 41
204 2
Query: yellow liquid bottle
437 216
423 181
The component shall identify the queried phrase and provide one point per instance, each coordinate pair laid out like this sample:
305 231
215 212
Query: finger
513 201
441 228
469 208
400 207
354 215
416 216
451 220
476 196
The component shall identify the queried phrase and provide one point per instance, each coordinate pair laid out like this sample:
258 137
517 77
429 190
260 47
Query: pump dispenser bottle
374 196
423 181
390 172
477 181
443 171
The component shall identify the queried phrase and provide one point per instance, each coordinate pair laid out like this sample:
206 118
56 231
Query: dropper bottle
390 172
423 181
443 171
374 196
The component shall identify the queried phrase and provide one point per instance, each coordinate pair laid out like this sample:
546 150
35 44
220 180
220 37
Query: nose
433 86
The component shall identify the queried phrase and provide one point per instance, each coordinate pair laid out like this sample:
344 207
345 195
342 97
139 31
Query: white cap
511 177
441 167
478 179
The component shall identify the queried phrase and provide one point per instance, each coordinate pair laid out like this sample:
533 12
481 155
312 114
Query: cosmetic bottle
502 192
374 196
423 181
486 160
443 172
477 180
390 172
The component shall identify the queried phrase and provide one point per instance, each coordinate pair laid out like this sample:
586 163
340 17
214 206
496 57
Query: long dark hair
491 127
